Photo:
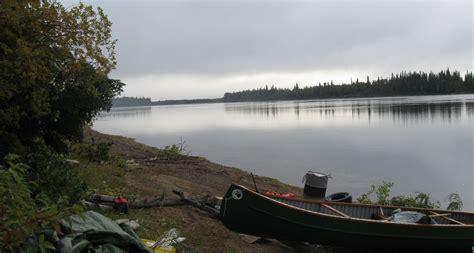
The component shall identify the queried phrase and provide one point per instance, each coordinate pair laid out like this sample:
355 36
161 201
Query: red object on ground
121 204
283 195
120 200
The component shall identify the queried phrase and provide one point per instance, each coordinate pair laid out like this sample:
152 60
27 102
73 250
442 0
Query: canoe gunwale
342 230
361 220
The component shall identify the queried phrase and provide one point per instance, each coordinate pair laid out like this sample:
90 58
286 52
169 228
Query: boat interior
370 212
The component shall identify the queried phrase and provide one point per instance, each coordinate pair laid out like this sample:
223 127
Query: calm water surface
422 144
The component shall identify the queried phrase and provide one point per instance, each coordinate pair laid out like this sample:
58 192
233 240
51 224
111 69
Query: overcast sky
201 49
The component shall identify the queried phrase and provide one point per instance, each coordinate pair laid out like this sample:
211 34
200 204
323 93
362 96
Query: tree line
143 101
131 101
401 84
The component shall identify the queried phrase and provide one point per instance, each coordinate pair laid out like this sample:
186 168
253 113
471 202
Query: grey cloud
157 38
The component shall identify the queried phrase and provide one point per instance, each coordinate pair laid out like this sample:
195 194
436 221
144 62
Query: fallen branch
147 203
106 201
199 204
98 206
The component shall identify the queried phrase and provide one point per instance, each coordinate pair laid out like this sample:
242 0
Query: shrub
21 214
174 151
53 176
101 152
420 200
455 202
382 193
94 152
16 204
171 152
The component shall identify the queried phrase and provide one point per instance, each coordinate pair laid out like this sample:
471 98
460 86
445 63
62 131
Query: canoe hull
254 214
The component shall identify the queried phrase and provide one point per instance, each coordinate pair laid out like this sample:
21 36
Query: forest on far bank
402 84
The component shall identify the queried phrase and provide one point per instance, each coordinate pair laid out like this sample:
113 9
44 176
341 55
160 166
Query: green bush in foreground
420 200
52 175
23 213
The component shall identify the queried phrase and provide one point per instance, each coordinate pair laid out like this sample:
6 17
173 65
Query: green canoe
342 224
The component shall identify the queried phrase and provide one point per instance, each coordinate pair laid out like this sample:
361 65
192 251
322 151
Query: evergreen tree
401 84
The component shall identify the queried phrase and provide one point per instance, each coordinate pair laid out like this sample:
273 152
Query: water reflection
127 112
420 143
398 111
470 110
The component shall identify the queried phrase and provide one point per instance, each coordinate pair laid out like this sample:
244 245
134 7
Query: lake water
422 144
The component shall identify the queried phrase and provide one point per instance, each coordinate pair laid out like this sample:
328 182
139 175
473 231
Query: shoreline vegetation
403 84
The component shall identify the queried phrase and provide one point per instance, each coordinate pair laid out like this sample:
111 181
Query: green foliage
21 213
420 200
17 205
54 176
45 245
174 151
171 152
455 202
120 163
383 192
364 198
102 151
97 152
54 64
105 178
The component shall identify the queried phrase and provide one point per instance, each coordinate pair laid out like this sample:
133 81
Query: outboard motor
315 184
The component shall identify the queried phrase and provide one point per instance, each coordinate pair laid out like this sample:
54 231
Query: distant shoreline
401 84
221 100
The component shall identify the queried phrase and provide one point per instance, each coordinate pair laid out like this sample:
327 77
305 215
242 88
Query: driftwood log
147 203
98 206
199 204
107 200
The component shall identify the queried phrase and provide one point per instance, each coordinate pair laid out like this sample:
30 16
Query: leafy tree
54 64
53 72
